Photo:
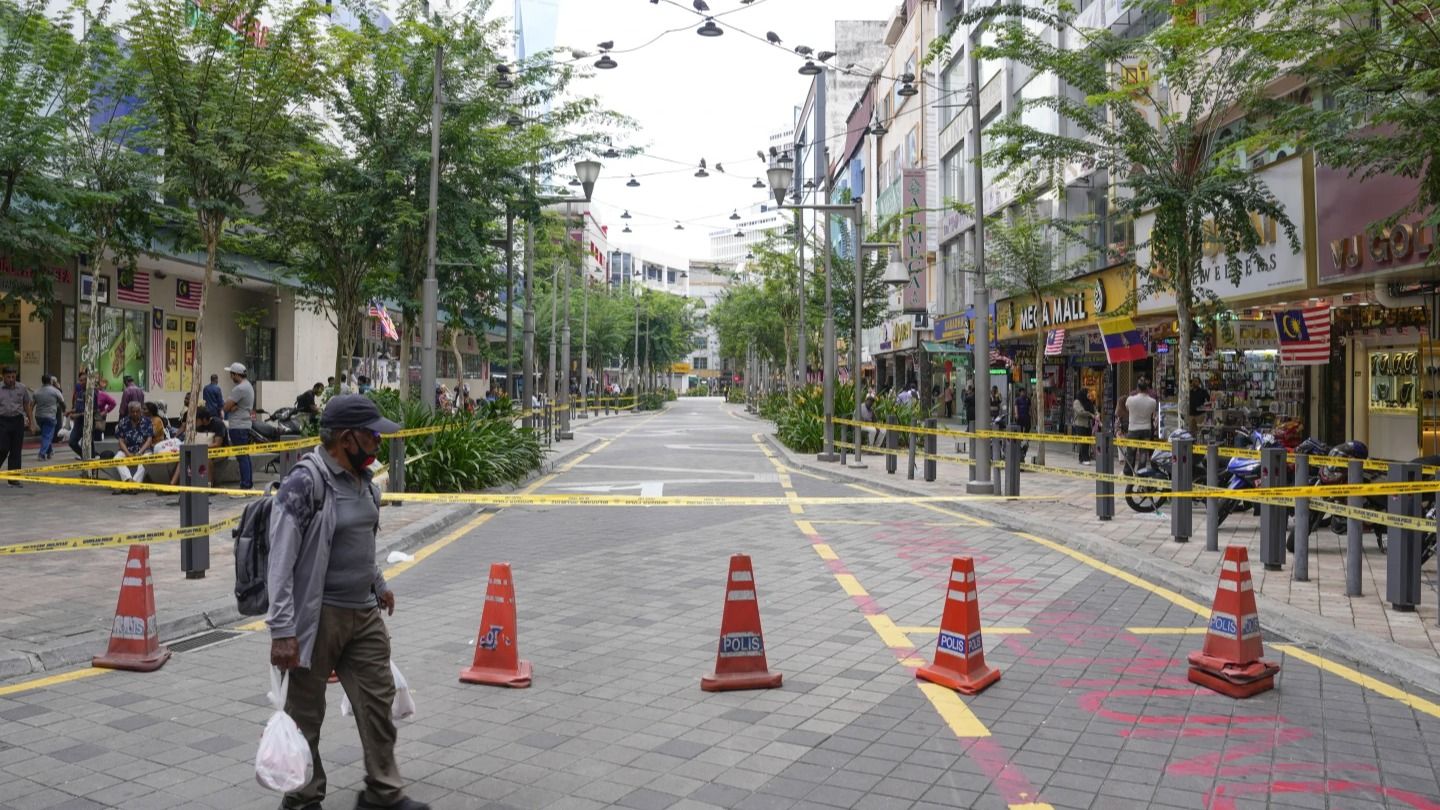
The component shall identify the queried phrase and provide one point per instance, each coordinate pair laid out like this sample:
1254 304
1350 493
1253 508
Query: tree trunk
92 361
459 364
789 369
211 232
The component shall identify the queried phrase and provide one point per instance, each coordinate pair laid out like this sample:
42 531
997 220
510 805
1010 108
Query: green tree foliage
1145 113
221 105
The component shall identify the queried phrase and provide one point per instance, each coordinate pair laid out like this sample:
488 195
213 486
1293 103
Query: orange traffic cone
740 662
497 654
959 652
1230 661
134 638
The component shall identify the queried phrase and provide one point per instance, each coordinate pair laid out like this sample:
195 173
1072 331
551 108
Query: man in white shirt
1140 409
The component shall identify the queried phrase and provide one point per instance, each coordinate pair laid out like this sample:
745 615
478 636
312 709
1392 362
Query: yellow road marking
52 680
825 551
1167 631
851 585
838 522
913 662
1415 702
1031 806
806 528
974 521
785 481
794 471
994 631
1164 593
424 553
888 632
954 712
794 499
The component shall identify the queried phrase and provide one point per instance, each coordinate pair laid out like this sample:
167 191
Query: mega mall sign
1088 298
1278 269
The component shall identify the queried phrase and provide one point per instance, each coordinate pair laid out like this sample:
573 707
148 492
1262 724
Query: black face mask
359 458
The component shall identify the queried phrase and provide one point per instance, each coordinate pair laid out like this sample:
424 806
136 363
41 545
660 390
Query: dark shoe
16 484
403 804
315 806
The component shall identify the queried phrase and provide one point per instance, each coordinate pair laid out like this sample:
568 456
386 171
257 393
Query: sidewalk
63 603
1363 629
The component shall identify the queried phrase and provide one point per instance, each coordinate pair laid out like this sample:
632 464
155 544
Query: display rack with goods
1249 389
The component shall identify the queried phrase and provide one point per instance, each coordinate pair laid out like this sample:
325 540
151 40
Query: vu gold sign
912 242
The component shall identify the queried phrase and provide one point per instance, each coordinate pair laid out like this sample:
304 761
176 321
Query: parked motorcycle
1141 497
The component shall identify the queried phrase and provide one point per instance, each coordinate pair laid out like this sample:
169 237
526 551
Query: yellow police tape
112 540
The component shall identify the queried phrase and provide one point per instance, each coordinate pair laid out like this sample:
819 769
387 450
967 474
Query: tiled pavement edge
67 604
1413 668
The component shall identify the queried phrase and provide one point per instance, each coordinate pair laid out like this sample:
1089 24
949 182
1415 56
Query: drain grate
206 639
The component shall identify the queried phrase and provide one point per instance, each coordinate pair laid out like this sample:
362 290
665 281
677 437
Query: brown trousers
356 645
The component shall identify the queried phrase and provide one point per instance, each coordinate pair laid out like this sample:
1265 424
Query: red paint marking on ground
1094 701
1224 796
994 762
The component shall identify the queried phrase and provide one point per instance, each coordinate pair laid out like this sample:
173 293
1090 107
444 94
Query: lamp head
588 171
896 274
780 178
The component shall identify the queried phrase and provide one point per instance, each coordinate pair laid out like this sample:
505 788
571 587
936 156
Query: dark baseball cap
355 412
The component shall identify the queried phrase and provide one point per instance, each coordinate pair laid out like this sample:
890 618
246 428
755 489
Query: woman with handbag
1082 421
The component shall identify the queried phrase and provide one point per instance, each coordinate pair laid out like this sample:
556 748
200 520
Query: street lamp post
980 335
584 345
430 290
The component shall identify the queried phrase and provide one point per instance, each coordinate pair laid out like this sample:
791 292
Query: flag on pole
1304 335
386 325
1055 343
1123 343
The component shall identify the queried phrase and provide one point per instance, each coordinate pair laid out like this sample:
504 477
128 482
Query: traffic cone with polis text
740 661
134 637
960 652
497 651
1230 661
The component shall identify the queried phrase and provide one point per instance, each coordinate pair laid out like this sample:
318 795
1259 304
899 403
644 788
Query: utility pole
430 293
564 379
982 485
584 344
828 450
510 304
800 262
528 326
554 299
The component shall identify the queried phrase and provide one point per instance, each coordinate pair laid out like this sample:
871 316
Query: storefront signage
1279 269
1246 335
12 277
950 328
680 368
952 223
913 241
897 335
1088 298
1348 212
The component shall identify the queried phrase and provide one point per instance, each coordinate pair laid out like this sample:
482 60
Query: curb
1414 669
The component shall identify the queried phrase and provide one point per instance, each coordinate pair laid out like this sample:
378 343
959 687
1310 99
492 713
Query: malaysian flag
133 286
187 293
1304 335
1055 343
387 326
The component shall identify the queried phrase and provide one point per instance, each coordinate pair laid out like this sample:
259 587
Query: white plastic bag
283 761
402 709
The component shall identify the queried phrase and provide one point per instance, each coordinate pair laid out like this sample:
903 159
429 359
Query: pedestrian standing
1082 421
947 399
969 401
100 407
130 393
214 398
49 404
137 436
1022 410
17 413
1141 409
326 594
239 407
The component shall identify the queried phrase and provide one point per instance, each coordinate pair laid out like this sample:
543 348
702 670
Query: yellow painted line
913 662
1415 702
52 680
888 632
825 551
838 522
1031 806
974 521
806 528
785 481
1167 631
424 553
794 471
851 585
994 631
1164 593
258 624
954 712
794 499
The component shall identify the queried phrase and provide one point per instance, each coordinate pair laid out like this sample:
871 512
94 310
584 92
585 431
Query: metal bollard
1182 474
397 465
932 444
1212 503
1014 457
1354 532
892 443
1301 556
287 460
1273 469
841 444
195 509
1105 465
913 438
997 471
1402 558
971 465
859 435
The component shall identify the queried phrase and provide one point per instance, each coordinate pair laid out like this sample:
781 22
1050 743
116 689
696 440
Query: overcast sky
718 98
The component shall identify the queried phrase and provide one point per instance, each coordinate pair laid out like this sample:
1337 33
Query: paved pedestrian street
619 612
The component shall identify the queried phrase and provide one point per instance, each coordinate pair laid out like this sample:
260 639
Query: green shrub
669 394
800 425
470 451
912 414
735 396
701 390
652 401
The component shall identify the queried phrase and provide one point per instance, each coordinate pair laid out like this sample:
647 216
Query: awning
935 347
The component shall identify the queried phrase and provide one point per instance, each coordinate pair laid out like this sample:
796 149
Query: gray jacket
302 523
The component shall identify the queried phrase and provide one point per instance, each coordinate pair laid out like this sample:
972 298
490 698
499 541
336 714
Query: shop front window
123 340
260 352
9 331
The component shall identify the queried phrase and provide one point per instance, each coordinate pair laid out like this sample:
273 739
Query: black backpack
252 547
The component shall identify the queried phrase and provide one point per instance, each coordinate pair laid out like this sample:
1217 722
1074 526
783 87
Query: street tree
109 184
1144 114
223 84
39 61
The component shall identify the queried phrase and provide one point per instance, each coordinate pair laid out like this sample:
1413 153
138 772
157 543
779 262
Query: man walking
17 412
214 399
238 408
326 593
94 415
49 402
136 437
1140 411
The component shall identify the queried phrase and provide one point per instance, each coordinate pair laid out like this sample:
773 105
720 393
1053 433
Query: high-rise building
730 246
